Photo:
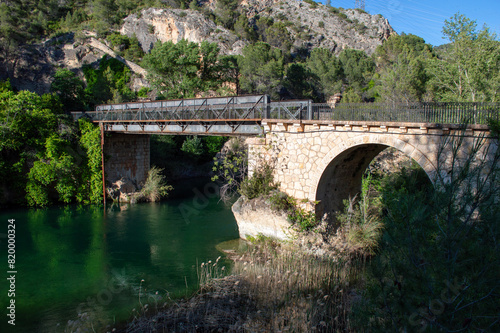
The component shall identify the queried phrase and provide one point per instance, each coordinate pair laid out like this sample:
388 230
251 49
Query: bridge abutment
126 156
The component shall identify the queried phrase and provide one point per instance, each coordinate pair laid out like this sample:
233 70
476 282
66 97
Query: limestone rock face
320 26
32 67
35 65
175 24
309 27
254 217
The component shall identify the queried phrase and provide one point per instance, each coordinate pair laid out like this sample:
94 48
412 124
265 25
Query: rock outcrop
309 26
255 217
318 25
35 65
175 24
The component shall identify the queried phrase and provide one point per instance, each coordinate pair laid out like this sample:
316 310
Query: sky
425 18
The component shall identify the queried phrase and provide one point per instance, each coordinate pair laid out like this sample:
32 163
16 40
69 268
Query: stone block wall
126 157
325 161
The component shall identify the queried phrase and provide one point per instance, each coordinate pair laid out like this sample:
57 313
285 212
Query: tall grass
294 290
155 186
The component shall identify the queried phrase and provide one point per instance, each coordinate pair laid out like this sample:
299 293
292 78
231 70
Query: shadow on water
88 267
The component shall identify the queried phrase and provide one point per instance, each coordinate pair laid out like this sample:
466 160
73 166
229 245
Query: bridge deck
244 115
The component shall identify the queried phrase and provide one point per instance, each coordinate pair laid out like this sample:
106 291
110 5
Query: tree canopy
183 69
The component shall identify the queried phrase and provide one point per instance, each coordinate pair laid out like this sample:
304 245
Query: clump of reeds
209 271
155 186
295 290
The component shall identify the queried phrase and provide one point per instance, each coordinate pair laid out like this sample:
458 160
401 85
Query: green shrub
155 186
312 3
261 183
361 221
302 219
334 10
193 146
437 266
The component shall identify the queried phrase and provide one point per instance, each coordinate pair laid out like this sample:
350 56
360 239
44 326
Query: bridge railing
237 107
242 108
443 113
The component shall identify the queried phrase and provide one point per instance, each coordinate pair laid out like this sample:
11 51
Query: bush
230 167
437 266
312 3
302 219
361 221
261 183
155 186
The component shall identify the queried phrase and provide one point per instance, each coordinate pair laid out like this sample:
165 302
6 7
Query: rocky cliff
309 26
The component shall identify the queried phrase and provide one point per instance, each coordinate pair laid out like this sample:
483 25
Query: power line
360 4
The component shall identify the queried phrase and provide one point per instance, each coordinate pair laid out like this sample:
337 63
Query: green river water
91 267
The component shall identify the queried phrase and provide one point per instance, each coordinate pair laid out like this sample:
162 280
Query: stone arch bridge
320 151
324 161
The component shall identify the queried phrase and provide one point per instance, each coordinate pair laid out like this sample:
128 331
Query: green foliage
54 168
104 15
143 92
227 12
155 186
261 182
277 35
328 69
42 158
361 221
26 122
312 3
108 83
357 67
388 53
468 70
91 190
128 47
183 69
437 266
230 168
193 146
405 81
70 90
300 81
213 144
261 68
302 219
244 29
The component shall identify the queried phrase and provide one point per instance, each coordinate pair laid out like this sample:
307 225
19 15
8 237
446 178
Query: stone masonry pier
126 156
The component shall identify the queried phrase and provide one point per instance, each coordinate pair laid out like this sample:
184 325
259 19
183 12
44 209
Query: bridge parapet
245 115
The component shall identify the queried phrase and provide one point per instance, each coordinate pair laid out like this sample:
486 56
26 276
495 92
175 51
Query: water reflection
80 266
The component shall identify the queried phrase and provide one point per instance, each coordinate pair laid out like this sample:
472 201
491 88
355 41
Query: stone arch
340 171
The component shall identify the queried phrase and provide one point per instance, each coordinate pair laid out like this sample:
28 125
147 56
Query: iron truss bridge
244 115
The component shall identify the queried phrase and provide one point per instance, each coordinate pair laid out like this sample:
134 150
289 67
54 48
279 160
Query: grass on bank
272 287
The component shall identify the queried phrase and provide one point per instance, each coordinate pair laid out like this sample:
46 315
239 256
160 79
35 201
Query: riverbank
273 286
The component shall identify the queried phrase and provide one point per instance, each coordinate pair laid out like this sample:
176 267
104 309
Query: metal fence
442 113
259 107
